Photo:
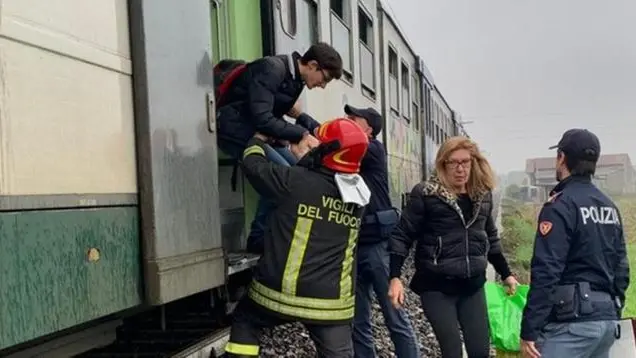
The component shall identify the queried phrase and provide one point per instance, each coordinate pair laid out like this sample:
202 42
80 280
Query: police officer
579 269
307 272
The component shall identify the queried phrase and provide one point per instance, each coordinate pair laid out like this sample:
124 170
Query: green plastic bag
505 313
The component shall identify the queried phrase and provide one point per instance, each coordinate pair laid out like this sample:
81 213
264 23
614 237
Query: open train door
176 145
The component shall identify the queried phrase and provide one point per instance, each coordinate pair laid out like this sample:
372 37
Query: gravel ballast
293 341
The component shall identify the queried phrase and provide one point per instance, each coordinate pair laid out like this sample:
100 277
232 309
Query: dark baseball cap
580 143
371 115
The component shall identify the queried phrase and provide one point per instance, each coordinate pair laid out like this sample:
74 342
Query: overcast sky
525 71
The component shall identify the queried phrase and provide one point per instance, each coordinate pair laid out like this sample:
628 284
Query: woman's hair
481 178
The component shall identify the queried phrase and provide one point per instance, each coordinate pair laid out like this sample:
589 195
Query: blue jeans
591 339
373 274
278 155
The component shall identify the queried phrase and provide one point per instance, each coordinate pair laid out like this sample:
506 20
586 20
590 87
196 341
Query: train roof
388 11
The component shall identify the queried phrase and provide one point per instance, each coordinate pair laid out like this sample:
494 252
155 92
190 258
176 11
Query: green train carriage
111 192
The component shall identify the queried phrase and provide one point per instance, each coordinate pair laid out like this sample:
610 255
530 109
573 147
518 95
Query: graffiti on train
404 158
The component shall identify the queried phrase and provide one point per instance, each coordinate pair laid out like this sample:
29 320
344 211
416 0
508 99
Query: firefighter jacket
307 271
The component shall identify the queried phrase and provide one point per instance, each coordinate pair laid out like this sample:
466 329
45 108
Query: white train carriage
402 107
67 108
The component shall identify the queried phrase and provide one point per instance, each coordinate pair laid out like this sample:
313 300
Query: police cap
580 144
371 115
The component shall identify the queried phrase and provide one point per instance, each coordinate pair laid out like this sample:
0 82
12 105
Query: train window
308 24
220 35
417 91
393 81
367 61
405 109
288 17
439 134
341 34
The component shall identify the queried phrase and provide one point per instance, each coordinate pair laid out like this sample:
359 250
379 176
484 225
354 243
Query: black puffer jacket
448 244
258 98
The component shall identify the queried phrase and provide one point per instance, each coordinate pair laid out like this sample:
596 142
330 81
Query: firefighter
307 272
372 260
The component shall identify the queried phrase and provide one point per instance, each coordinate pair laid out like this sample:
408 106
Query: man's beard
558 175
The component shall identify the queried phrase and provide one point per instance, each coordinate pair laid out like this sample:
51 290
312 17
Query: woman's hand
396 292
512 283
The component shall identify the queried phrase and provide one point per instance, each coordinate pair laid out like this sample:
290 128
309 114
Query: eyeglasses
326 78
454 164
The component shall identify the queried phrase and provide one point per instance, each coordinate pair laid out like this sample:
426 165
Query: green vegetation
519 221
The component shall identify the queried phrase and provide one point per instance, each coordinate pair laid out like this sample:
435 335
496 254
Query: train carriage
402 107
114 199
69 223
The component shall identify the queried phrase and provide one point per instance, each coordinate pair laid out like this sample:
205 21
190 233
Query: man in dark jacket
580 269
307 272
373 257
256 101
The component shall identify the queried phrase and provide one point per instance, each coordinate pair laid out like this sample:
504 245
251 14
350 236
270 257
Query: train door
236 33
176 146
231 199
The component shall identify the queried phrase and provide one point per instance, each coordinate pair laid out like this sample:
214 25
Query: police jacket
453 249
579 239
259 97
373 170
306 272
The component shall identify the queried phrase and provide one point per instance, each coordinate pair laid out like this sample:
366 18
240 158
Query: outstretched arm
551 247
406 231
495 254
269 179
621 276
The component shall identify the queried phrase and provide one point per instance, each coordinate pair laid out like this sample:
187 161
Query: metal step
212 346
241 261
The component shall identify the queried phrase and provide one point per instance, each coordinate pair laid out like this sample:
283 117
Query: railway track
190 328
195 326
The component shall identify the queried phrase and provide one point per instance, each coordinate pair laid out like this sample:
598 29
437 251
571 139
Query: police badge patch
545 227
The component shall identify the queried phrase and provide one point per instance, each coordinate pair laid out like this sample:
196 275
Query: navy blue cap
580 143
371 115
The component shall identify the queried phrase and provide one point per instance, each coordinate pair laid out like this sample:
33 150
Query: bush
519 228
519 223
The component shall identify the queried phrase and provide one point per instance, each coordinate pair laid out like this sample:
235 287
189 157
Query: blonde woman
450 217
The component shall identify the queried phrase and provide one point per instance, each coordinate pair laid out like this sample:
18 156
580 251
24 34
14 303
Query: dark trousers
589 339
373 276
450 313
332 341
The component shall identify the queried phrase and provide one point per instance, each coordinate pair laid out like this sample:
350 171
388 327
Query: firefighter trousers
331 341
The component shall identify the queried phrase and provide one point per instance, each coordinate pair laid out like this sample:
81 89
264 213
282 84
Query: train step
241 261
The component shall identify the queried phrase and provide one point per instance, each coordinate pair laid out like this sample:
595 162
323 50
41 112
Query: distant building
614 173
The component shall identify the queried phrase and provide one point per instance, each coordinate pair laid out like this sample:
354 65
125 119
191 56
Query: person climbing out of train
253 97
307 272
372 261
450 216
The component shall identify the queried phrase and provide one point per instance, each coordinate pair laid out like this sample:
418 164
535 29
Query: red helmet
353 143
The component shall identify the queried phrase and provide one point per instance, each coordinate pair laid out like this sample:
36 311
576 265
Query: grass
519 221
